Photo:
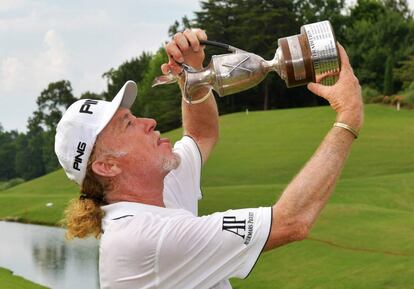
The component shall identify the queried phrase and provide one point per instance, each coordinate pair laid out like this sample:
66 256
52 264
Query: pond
41 254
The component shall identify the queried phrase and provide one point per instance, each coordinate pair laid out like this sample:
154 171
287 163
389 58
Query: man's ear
107 167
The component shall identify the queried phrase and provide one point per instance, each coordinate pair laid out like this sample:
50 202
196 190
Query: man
148 191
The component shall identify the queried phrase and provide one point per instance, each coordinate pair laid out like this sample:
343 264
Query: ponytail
83 215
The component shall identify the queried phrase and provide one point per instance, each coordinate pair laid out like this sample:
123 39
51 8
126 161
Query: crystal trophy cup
311 56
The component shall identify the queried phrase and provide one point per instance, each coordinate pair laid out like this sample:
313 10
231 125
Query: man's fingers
319 89
192 39
343 56
346 69
174 67
201 34
181 42
322 76
165 68
174 52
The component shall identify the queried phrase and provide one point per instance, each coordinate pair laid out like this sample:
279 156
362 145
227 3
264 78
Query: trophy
311 56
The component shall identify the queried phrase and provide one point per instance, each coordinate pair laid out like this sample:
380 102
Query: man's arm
302 201
200 121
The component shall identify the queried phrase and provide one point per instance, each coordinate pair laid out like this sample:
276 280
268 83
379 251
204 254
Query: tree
29 162
7 154
92 95
405 73
133 69
185 23
52 102
162 102
35 154
388 77
400 6
377 31
22 158
263 23
311 11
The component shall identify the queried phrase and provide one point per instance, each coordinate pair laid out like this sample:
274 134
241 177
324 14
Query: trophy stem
275 64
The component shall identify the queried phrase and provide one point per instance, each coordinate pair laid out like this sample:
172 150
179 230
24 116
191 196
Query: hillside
364 238
10 281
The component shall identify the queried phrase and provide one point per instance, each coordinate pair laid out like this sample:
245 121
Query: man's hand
345 96
200 121
185 48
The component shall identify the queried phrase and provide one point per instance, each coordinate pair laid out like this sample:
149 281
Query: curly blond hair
83 215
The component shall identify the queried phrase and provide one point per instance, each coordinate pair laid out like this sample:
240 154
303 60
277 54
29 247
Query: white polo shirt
147 246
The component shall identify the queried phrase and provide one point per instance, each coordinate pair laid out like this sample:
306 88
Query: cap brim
127 94
124 98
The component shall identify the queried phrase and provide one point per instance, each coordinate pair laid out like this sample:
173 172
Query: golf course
9 281
364 238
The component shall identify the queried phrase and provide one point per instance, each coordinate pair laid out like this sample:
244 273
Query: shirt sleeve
202 251
182 188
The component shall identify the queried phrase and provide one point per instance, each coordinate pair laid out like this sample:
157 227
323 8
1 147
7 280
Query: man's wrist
200 93
199 96
346 127
352 118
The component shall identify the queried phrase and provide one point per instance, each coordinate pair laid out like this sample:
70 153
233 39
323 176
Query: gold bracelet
347 127
204 98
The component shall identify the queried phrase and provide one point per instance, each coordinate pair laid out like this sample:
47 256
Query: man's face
136 144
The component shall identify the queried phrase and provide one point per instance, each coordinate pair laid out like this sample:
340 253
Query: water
41 254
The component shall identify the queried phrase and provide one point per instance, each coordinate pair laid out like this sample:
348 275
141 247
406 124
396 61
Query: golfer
139 192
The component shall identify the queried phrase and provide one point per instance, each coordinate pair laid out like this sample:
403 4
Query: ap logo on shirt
238 226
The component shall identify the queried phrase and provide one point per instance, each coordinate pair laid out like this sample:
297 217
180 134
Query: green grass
10 183
27 202
364 237
10 281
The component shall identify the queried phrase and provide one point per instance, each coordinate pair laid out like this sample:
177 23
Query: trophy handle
222 45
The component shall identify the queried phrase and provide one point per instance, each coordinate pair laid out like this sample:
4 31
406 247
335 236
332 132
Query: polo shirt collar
120 209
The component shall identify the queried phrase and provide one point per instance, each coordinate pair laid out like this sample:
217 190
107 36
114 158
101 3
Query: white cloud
23 78
23 16
142 40
90 80
11 70
85 20
7 5
54 57
36 69
49 64
18 23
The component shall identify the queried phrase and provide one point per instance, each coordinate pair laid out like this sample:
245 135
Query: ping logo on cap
87 105
80 152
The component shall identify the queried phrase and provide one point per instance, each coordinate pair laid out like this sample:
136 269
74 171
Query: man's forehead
121 114
113 126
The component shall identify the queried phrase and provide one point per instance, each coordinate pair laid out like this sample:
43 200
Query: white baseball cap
76 132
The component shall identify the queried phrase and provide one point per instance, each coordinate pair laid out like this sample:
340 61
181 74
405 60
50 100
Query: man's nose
149 124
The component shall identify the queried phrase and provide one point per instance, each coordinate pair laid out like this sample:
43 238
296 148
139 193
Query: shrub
11 183
386 99
370 95
409 94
